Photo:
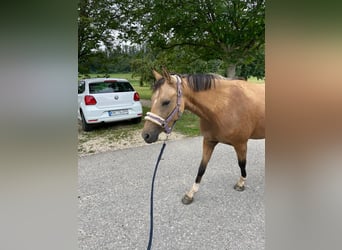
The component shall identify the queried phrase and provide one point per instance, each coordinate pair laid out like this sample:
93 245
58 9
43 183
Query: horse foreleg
241 152
208 148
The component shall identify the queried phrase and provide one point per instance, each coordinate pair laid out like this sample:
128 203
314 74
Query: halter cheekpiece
164 123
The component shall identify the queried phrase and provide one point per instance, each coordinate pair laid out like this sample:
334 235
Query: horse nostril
146 136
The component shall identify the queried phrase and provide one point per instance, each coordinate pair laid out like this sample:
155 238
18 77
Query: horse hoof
238 188
187 200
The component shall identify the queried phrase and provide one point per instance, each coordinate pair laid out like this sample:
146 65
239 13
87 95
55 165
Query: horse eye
165 103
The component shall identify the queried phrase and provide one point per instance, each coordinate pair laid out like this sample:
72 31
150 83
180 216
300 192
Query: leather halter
164 123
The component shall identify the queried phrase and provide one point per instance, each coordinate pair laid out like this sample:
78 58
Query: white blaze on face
156 99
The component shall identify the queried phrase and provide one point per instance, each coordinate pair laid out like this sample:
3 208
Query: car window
81 87
109 87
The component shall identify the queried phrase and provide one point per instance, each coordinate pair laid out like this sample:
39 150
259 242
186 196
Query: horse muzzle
150 137
154 125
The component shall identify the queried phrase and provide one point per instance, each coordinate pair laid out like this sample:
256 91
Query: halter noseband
164 122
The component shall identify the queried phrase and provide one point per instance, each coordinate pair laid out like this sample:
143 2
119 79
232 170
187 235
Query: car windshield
109 87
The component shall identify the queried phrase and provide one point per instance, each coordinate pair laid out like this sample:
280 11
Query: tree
97 20
231 31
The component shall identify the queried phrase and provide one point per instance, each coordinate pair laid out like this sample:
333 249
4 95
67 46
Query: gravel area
88 146
131 139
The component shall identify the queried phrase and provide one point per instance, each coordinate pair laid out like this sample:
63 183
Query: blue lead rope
152 189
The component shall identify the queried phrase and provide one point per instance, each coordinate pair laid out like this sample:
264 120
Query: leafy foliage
97 20
231 31
186 36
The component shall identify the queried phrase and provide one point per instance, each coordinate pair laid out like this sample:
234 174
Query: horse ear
157 75
166 74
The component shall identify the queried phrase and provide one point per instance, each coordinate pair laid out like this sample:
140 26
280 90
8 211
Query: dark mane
200 82
197 82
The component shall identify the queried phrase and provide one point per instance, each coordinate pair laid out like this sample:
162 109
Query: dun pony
230 111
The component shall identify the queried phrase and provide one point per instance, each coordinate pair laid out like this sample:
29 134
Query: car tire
85 126
136 120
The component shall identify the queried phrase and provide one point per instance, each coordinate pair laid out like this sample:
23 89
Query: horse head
167 105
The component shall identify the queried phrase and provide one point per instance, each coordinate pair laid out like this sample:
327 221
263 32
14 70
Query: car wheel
85 126
136 120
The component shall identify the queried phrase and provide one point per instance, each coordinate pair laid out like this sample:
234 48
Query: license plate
118 112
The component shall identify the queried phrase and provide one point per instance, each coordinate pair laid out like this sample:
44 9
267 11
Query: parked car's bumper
95 115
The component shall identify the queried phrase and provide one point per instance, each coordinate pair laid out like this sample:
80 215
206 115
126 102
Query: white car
107 100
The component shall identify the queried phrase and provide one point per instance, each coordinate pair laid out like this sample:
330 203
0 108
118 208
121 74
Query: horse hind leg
208 148
241 151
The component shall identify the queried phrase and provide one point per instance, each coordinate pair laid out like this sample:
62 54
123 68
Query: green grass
254 79
127 76
188 124
145 92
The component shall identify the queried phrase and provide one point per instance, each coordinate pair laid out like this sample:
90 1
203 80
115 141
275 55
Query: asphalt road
114 193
